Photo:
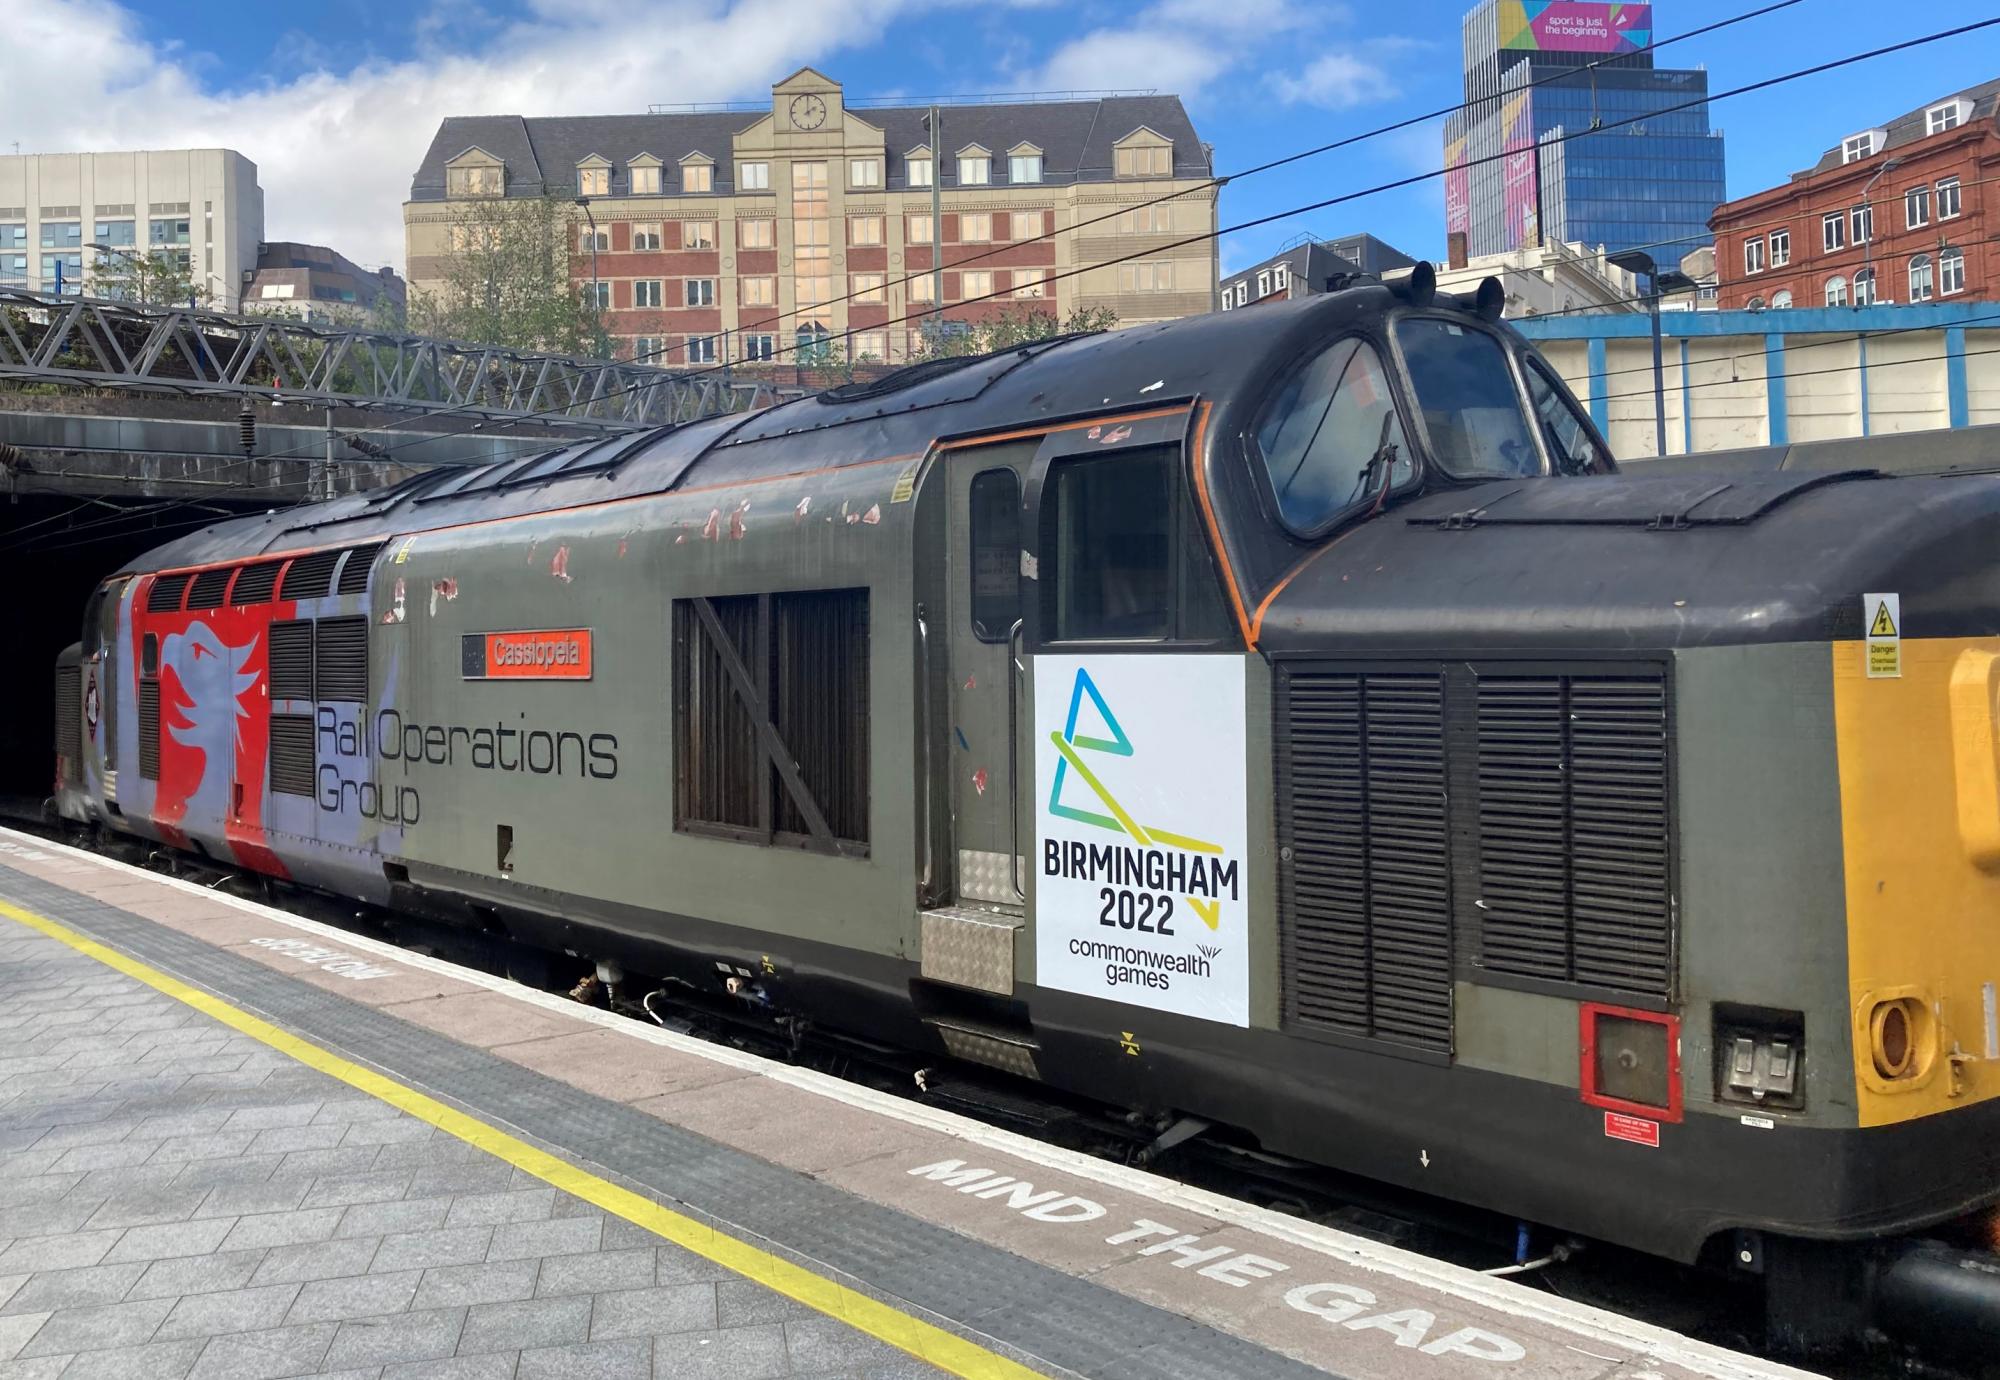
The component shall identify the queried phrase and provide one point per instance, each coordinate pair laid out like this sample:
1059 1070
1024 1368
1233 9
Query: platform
236 1143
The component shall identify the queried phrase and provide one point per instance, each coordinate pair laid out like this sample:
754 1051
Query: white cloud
1177 46
335 150
1337 80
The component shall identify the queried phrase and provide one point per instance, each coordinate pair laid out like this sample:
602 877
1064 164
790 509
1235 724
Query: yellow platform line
928 1342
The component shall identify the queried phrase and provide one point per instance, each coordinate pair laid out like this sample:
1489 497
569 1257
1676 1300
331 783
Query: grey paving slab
231 1311
528 1323
171 1239
316 1260
358 1296
200 1274
79 1288
268 1355
627 1359
640 1312
98 1328
426 1336
426 1249
462 1286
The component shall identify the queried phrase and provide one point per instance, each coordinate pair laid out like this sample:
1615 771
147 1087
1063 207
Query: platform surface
237 1143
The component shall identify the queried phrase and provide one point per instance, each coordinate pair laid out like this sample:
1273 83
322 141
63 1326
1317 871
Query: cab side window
996 554
1108 523
1332 439
1573 448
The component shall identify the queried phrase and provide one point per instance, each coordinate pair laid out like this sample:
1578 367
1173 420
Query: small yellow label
1883 616
906 485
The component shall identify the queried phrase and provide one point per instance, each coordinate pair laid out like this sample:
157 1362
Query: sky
336 101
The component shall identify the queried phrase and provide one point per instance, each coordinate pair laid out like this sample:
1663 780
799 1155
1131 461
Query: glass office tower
1531 163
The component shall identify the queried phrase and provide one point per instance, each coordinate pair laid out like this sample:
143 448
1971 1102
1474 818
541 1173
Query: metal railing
92 342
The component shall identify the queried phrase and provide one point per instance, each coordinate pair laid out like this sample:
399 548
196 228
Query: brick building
1893 213
722 235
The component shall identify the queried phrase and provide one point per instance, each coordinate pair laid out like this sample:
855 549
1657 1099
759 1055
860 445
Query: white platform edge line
1502 1295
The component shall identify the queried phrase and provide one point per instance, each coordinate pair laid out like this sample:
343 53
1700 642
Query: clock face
808 112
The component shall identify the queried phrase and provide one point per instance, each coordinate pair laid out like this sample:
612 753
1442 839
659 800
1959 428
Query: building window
645 348
597 295
868 287
1948 204
1857 146
1024 167
864 230
62 234
700 292
919 170
1940 118
645 238
1916 207
760 292
117 233
1030 282
918 230
1157 277
646 293
69 266
645 180
1864 288
697 177
753 177
760 348
13 268
1951 272
1143 220
474 181
593 181
813 291
701 349
974 169
697 234
975 227
1753 255
1780 300
1921 283
1264 284
1144 162
1836 291
1242 294
757 234
588 239
810 237
864 172
13 237
872 346
1755 304
1026 225
1833 231
923 288
975 284
1281 278
1228 299
1862 221
786 671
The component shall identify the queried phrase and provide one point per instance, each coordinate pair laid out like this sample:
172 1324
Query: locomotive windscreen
1467 396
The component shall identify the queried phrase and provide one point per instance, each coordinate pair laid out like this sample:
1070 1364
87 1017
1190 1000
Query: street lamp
596 292
137 262
1639 261
1868 245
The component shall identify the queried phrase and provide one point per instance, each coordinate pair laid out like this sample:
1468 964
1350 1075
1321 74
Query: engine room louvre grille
257 583
69 720
292 660
821 706
715 751
165 595
209 587
1365 878
1573 828
310 576
354 575
149 730
292 764
340 660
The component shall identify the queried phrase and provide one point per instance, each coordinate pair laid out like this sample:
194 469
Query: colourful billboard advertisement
1520 170
1574 26
1457 187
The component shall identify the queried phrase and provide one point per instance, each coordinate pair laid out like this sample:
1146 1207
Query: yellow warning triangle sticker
1884 625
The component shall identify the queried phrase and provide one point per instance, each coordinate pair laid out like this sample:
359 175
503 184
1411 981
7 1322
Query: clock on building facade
808 112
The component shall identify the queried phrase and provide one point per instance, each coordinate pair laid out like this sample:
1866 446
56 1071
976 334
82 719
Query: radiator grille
292 660
69 721
257 583
310 576
341 660
1365 887
165 595
149 730
820 706
1574 819
354 575
292 763
209 587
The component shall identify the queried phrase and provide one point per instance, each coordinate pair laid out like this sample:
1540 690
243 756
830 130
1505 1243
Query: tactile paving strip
1044 1315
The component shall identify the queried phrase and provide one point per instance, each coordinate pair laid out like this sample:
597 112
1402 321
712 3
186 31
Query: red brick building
1894 213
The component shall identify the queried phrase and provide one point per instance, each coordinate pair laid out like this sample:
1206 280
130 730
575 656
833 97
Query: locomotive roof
900 415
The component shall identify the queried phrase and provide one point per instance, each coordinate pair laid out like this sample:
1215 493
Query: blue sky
336 101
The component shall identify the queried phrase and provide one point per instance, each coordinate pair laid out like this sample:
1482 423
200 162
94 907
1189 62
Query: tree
507 279
1015 326
163 278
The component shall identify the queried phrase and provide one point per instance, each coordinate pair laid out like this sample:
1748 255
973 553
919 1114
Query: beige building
202 206
1552 279
735 235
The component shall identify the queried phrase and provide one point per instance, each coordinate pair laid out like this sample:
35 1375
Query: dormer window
1142 153
1856 147
645 174
593 177
1024 163
473 173
918 168
697 175
1947 115
975 167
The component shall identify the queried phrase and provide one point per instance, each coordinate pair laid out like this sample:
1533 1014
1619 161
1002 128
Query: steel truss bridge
91 342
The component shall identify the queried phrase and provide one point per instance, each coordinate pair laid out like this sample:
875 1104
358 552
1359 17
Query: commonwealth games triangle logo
1111 815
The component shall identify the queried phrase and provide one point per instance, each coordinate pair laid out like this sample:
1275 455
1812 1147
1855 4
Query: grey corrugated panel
1039 1312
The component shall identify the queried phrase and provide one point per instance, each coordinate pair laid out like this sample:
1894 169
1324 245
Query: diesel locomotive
1291 719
